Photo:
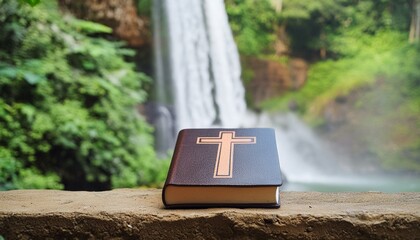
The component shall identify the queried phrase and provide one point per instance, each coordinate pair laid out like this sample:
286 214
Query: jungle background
75 77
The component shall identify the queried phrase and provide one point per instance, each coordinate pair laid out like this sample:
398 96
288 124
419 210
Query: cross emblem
224 160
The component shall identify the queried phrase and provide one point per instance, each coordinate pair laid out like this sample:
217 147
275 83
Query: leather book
224 168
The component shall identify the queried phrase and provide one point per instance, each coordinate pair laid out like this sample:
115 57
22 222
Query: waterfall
198 85
197 68
304 157
310 163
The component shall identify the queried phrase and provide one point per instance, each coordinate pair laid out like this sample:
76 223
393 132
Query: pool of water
357 184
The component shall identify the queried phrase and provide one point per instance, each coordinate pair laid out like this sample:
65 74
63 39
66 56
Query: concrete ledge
134 213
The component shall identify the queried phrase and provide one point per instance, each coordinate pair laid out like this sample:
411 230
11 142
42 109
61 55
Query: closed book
224 168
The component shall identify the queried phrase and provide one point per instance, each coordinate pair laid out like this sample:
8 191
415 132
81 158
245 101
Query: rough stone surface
139 214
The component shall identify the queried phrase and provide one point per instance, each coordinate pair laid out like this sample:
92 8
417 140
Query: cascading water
197 68
198 84
198 78
303 156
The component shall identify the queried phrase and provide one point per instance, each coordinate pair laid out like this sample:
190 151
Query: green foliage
13 175
364 39
90 27
330 79
252 23
388 66
32 2
308 22
332 25
67 106
368 56
144 7
404 111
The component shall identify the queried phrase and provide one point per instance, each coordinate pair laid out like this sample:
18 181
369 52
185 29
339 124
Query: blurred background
93 93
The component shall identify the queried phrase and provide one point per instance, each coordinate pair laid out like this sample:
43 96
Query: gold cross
224 159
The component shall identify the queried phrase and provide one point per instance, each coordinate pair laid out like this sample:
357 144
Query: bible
224 168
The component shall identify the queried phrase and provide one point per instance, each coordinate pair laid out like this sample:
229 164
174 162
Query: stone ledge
138 213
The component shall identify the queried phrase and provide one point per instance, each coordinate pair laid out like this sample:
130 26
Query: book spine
174 163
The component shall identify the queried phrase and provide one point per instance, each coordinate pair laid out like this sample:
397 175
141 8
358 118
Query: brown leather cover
254 164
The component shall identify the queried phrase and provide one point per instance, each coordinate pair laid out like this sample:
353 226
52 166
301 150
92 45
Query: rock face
120 15
272 78
139 214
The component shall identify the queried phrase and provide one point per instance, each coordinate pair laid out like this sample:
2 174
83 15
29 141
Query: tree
309 23
415 21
